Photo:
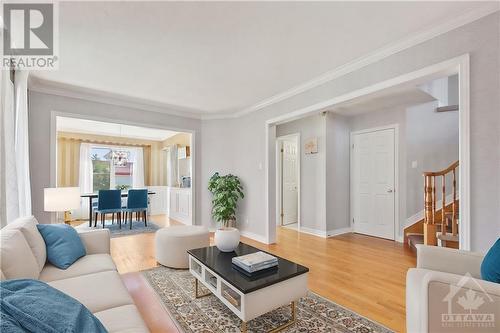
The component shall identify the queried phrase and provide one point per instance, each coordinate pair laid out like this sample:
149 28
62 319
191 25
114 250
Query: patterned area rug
175 288
137 228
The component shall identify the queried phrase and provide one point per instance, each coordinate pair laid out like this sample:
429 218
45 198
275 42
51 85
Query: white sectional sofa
93 279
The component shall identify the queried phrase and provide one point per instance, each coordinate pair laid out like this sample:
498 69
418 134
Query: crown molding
67 90
370 58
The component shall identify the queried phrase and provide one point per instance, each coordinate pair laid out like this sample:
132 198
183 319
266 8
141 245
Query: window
110 172
123 175
101 168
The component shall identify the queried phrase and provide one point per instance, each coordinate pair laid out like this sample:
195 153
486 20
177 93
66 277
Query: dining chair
137 201
109 202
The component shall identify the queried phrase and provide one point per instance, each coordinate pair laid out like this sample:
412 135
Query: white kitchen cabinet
180 204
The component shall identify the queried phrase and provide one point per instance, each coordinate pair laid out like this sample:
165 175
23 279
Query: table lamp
62 199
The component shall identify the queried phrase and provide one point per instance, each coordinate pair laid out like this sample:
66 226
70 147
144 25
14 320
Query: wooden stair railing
431 220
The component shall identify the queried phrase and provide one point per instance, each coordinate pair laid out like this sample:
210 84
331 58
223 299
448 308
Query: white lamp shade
60 199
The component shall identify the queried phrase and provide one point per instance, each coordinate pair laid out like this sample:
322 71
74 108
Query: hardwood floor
365 274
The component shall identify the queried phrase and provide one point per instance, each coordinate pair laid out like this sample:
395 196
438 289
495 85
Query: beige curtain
68 161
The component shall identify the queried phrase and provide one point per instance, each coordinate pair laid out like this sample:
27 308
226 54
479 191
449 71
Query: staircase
439 227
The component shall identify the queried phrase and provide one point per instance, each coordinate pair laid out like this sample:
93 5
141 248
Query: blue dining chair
109 202
137 201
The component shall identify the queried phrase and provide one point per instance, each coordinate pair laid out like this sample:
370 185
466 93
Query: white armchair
436 293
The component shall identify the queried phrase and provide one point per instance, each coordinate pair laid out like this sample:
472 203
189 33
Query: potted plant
226 191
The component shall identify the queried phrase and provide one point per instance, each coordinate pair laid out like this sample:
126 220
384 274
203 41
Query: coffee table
247 297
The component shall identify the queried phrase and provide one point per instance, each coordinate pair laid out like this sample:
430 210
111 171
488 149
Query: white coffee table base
254 304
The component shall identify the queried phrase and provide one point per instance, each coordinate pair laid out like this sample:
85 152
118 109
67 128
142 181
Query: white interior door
373 176
289 182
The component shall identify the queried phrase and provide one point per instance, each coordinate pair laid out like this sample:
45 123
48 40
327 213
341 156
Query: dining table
93 196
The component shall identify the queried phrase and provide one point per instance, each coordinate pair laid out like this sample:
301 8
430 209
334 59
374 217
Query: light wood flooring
365 274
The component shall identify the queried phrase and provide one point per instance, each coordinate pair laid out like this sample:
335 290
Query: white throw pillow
17 260
27 225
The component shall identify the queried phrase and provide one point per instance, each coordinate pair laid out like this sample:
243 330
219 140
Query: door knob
389 191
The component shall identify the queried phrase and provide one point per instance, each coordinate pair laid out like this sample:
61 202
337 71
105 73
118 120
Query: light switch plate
414 164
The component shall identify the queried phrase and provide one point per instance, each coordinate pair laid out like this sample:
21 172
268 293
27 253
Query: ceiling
222 57
76 125
399 96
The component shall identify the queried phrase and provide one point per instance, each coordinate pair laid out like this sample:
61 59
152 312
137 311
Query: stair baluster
430 201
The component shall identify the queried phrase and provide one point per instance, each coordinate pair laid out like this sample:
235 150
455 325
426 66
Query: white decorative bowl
227 239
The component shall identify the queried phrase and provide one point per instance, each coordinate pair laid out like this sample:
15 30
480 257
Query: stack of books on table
254 263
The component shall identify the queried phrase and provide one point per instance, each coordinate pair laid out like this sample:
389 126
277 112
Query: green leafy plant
226 191
122 187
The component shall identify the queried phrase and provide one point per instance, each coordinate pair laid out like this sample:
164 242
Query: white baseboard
314 232
247 234
254 236
325 234
340 231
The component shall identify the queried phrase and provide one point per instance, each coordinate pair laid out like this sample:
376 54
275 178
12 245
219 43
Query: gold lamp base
67 217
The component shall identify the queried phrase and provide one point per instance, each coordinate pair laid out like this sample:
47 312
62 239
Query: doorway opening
461 175
288 180
97 154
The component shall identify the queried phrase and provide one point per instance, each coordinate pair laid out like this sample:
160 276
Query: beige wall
181 139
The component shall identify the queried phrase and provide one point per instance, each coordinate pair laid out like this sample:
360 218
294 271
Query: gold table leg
196 295
289 323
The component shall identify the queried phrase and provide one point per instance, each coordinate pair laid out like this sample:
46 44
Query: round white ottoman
172 243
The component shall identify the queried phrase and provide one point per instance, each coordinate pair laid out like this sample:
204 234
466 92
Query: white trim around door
396 189
279 140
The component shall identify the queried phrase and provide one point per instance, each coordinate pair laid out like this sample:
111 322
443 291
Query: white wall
337 173
217 155
432 141
312 170
480 39
40 110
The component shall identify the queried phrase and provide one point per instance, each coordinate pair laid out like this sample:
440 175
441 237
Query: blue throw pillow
490 267
64 246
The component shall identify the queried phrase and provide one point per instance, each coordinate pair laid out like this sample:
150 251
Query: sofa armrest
448 260
432 294
446 293
96 241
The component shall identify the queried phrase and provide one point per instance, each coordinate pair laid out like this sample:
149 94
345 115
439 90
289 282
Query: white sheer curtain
112 175
138 169
172 166
8 177
22 143
85 177
15 192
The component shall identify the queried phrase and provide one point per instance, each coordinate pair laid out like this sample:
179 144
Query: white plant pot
227 239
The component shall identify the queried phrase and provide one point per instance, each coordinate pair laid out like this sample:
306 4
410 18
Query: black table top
95 195
220 262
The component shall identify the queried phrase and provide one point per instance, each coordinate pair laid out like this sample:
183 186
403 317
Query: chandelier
120 157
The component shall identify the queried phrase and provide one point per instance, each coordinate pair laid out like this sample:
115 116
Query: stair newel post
429 226
443 207
454 225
